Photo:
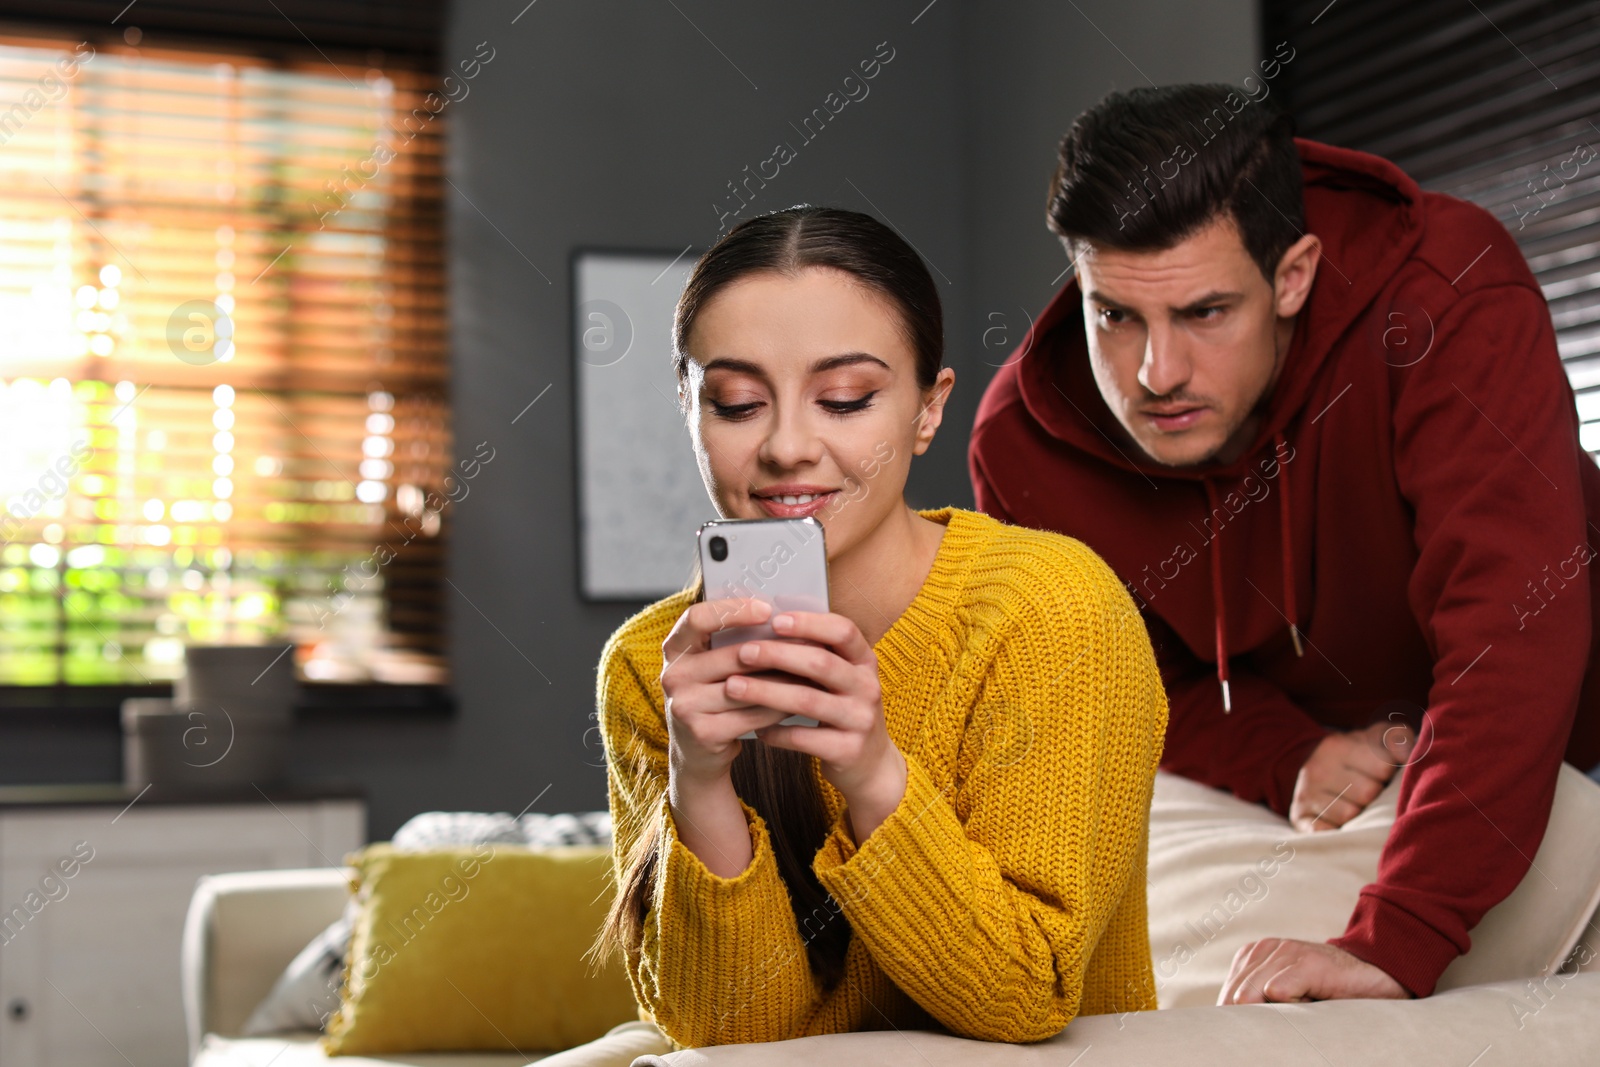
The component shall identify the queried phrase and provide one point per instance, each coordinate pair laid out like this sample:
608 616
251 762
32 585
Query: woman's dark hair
796 238
1142 170
781 784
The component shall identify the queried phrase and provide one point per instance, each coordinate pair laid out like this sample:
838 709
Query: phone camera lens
719 548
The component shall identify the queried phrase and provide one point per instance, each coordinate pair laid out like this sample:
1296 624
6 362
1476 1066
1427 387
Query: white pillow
1223 872
307 992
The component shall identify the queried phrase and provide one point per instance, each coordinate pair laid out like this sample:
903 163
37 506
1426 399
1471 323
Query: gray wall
1030 69
618 124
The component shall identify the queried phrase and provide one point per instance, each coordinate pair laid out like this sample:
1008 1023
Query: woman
960 843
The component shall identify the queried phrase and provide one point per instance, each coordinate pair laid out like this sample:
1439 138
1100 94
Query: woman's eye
732 412
844 407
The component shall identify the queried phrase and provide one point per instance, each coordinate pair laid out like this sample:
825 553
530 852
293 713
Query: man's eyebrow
1211 299
826 363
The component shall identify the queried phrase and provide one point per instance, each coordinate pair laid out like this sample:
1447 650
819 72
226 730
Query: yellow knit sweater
1006 893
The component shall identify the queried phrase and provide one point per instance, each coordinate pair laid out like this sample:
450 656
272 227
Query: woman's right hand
703 722
703 728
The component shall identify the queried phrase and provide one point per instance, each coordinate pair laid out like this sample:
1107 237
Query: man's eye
1113 316
1207 313
843 407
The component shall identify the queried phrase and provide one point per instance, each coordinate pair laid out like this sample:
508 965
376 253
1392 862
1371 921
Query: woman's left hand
852 739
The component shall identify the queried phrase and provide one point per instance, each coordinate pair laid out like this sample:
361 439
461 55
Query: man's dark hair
1142 170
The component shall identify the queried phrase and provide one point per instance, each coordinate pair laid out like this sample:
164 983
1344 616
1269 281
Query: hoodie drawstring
1219 605
1288 547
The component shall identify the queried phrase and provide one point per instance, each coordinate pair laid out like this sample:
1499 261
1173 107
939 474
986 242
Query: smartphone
781 561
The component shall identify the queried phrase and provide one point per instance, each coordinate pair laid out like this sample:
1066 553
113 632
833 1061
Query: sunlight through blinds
223 371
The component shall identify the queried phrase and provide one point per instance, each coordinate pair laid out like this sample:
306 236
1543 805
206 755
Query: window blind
223 374
1490 102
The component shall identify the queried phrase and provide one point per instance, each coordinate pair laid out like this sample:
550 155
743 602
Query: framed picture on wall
640 497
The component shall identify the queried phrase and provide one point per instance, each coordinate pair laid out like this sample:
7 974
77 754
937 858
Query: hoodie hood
1362 250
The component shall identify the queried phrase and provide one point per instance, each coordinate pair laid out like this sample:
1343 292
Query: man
1315 419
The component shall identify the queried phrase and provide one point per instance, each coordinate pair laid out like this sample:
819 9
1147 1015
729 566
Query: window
223 370
1492 104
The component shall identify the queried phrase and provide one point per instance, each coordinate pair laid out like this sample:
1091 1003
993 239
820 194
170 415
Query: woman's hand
852 741
703 727
704 720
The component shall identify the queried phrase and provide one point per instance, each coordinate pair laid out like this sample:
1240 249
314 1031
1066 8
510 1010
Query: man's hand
1346 772
1275 970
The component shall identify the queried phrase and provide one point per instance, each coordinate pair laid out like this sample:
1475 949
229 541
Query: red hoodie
1417 506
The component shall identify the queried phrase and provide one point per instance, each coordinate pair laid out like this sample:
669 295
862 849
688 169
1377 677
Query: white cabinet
94 898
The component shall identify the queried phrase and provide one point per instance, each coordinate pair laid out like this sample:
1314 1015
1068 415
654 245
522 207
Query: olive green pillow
477 947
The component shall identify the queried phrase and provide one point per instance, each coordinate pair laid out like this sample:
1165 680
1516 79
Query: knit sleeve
984 898
721 959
